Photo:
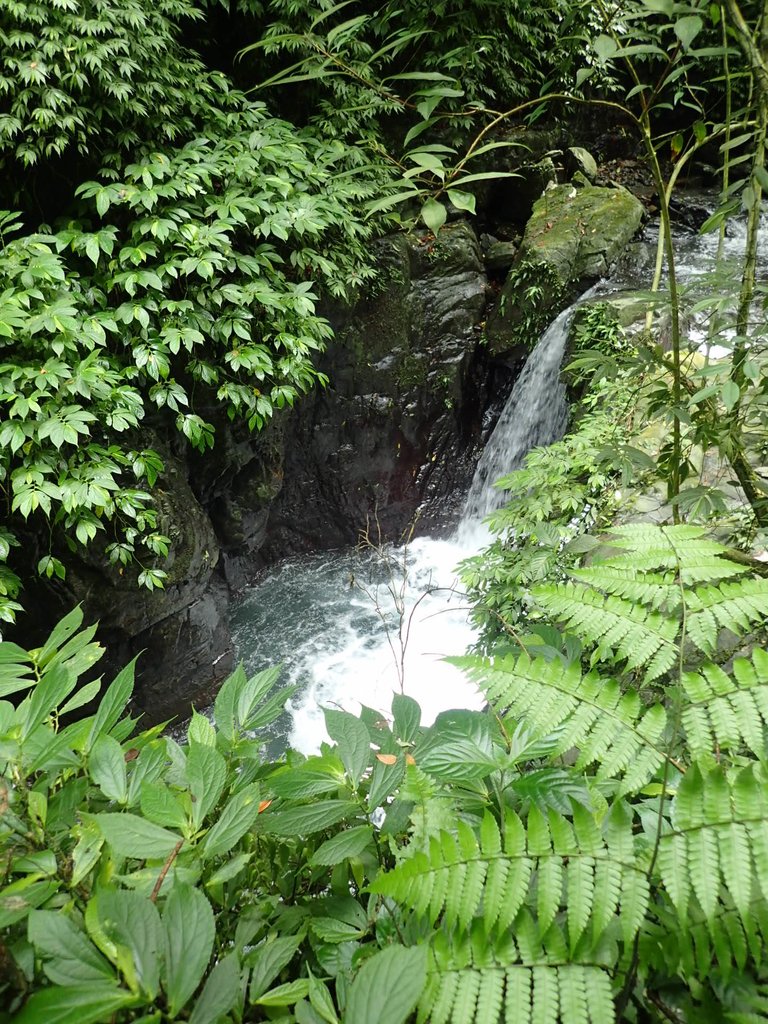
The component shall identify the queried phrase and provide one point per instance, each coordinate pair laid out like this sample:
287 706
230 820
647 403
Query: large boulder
571 240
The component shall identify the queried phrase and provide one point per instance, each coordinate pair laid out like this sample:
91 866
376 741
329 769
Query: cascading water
345 626
334 618
536 413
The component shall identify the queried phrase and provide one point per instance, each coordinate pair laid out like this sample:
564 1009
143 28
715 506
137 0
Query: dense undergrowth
591 848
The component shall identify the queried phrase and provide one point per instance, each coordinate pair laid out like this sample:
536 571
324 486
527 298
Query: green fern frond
734 606
724 711
634 603
590 713
562 870
701 948
685 549
641 637
719 842
542 994
654 589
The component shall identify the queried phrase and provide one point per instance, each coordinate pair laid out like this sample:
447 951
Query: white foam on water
333 618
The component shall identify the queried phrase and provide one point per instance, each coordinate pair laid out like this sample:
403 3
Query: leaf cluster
183 279
583 851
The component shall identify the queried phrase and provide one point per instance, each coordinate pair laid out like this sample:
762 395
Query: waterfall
536 413
340 641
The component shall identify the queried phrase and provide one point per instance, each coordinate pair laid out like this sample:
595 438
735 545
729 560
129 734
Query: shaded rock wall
394 429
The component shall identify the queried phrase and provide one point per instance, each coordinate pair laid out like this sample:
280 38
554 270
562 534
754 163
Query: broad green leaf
267 960
207 773
229 870
385 778
52 690
18 898
70 958
307 781
730 394
107 767
320 998
352 739
162 806
285 995
41 862
331 929
226 703
189 935
393 199
237 817
462 200
407 717
762 176
687 28
132 923
132 836
200 730
604 47
388 986
15 669
112 704
151 763
304 821
458 747
434 215
87 851
255 690
221 992
349 843
81 697
59 635
75 1004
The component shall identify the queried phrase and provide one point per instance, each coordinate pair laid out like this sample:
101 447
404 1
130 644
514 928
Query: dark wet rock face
390 432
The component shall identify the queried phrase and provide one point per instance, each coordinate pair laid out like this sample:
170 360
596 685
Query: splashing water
351 628
333 618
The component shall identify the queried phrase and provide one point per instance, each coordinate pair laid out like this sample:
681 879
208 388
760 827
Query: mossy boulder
572 239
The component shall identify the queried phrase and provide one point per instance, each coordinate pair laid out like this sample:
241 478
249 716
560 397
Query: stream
354 626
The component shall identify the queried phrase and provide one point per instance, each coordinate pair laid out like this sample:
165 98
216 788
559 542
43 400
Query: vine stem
164 870
677 705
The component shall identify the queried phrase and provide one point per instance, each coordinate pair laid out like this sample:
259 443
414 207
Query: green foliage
184 279
598 341
529 282
414 57
96 77
584 851
563 491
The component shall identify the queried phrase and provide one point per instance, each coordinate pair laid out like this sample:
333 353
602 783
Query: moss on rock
572 238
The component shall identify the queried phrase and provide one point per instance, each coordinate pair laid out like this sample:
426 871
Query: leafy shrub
185 277
364 65
563 493
589 850
96 76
